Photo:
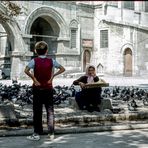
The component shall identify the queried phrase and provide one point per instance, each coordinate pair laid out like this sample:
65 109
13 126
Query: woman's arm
80 82
76 82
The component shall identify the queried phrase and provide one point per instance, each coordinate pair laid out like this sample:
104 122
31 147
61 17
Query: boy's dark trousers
40 97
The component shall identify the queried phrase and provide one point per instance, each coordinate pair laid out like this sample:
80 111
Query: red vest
42 72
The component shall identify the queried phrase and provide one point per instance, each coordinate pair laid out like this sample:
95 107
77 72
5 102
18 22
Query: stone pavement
115 124
113 139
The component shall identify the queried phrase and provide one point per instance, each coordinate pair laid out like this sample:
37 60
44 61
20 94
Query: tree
12 10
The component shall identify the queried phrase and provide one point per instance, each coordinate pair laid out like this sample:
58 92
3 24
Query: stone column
20 55
19 62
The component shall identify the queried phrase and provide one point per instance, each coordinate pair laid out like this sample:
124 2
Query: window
113 3
73 33
104 39
146 6
128 5
73 38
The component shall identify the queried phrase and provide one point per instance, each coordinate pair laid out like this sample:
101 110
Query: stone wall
59 15
123 33
88 20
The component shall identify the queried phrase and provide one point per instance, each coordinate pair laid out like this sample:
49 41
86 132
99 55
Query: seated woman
88 98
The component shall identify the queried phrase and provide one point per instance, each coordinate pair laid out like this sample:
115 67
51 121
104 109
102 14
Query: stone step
85 120
76 118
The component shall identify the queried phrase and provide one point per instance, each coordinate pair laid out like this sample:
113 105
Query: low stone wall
105 104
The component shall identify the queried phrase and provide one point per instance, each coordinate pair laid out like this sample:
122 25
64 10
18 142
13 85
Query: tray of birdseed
96 84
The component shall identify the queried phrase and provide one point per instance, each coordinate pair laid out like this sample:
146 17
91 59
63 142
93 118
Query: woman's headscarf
90 79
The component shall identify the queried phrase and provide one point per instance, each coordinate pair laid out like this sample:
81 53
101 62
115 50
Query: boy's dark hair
41 47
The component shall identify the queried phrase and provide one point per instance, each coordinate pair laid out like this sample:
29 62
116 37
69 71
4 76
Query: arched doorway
128 62
86 59
46 29
53 28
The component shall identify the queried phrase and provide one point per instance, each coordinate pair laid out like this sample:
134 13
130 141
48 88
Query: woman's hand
82 85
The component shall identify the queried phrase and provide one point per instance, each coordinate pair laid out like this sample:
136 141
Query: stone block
7 112
106 104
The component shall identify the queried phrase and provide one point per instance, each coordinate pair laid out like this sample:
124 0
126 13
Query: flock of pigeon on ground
22 94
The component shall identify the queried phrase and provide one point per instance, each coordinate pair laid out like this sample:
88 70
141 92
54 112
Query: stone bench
105 104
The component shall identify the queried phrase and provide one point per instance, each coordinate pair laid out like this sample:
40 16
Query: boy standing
42 77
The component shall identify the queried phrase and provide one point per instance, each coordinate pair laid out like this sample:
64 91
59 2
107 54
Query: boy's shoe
34 137
51 136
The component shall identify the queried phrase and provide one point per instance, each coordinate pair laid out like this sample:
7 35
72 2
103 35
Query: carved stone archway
54 19
53 14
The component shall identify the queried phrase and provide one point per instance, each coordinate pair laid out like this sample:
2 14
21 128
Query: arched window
73 33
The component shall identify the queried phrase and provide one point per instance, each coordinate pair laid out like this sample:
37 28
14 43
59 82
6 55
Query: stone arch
43 29
100 68
17 43
127 45
13 31
53 14
74 23
16 40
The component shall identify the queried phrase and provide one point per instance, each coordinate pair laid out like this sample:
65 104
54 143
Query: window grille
103 38
73 38
113 3
129 5
146 6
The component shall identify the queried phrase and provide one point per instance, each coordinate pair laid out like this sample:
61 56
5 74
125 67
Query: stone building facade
121 38
111 35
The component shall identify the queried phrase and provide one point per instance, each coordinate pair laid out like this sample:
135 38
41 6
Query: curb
73 130
138 116
101 128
